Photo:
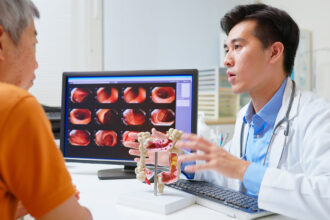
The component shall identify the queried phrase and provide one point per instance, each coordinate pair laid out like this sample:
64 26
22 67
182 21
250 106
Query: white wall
155 34
314 16
139 34
148 34
66 43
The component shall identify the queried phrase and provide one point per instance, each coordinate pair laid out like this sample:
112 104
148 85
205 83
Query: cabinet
215 97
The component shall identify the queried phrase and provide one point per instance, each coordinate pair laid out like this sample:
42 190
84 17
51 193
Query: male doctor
280 149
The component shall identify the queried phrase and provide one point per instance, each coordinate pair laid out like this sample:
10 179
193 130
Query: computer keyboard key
246 206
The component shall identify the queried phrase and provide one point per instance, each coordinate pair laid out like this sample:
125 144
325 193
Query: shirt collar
249 113
269 112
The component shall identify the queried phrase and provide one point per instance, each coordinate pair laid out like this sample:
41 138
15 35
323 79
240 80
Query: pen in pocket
222 138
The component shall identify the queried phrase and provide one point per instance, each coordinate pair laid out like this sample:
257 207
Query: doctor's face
19 61
246 59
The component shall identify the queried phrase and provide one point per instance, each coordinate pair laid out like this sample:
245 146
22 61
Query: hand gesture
215 157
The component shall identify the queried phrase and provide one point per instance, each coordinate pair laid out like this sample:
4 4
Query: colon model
171 176
159 142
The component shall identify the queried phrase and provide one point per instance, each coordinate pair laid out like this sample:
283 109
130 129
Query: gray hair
16 15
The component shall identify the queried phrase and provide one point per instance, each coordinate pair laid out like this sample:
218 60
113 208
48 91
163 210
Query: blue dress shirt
189 176
261 126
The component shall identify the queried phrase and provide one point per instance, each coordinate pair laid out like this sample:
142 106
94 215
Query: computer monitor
100 109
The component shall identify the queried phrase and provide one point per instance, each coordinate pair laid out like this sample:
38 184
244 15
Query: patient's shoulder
10 94
10 97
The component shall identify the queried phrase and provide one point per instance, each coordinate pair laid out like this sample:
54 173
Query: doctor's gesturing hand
150 158
215 157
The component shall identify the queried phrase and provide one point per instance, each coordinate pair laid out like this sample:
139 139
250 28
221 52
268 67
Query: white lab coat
297 181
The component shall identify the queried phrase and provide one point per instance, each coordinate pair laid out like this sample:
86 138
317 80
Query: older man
32 169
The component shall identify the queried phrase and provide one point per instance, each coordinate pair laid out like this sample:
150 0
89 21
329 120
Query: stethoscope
285 119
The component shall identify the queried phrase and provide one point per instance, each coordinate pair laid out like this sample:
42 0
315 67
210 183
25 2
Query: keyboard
53 115
222 199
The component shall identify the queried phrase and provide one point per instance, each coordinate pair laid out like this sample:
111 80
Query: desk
100 197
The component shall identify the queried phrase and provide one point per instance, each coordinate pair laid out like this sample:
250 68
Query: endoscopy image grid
101 116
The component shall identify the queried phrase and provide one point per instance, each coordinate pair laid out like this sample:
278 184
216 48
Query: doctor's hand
163 157
215 157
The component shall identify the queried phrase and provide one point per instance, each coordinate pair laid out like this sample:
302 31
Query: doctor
280 150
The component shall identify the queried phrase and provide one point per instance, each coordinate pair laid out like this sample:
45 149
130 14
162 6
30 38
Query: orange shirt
32 168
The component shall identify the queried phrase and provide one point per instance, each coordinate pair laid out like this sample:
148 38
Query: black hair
273 25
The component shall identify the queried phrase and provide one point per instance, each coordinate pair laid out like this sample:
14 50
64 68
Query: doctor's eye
237 46
226 48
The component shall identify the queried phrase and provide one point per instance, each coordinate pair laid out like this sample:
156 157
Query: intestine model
159 142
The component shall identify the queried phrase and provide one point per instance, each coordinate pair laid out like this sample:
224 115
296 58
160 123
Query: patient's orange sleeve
32 168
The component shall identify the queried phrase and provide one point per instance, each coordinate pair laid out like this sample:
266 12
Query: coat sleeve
233 147
302 191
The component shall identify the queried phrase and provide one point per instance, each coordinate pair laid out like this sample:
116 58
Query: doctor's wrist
241 169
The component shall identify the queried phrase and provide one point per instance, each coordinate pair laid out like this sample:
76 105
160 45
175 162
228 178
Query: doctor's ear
276 51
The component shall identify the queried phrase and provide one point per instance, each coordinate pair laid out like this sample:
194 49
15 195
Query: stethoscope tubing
285 119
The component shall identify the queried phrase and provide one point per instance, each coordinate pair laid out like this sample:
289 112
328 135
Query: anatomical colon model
159 142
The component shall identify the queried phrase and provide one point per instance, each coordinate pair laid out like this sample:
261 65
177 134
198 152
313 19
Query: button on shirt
261 126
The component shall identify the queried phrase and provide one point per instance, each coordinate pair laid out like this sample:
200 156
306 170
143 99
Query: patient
32 169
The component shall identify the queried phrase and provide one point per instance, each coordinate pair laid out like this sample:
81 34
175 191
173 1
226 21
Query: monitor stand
128 172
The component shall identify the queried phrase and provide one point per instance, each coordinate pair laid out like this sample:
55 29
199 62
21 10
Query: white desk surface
100 197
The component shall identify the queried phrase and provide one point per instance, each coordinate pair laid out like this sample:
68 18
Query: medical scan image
163 95
134 117
80 95
134 95
107 95
162 117
80 116
107 116
106 138
127 139
102 118
79 137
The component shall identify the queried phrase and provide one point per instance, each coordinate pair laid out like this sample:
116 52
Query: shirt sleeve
253 177
189 176
33 168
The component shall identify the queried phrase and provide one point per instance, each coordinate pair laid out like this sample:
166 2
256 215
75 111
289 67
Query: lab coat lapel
276 147
279 139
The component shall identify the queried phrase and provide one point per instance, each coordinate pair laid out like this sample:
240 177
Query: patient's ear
2 37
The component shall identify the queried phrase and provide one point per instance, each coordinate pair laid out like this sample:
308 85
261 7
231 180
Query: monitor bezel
192 72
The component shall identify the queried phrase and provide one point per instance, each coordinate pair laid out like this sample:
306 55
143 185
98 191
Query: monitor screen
100 109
